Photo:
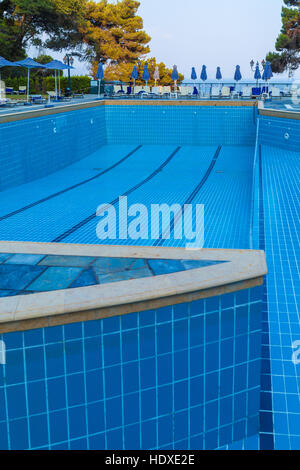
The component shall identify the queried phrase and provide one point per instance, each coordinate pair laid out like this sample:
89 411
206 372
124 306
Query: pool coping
245 269
33 113
272 112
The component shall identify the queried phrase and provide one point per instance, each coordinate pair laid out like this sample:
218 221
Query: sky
215 33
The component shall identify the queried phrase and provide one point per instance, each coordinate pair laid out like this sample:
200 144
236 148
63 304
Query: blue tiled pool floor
148 174
279 237
227 197
280 174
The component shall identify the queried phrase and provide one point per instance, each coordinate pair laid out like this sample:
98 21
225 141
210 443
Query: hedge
43 84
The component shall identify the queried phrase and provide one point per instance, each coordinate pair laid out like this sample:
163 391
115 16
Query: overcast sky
211 32
216 32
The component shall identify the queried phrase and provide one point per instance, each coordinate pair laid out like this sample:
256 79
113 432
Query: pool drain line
77 185
189 200
115 201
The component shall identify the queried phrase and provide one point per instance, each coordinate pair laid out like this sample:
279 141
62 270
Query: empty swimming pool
58 169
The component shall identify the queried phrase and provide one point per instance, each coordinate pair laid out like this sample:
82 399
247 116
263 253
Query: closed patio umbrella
156 74
194 75
175 76
134 75
146 75
237 75
219 75
257 74
203 76
100 76
268 74
29 63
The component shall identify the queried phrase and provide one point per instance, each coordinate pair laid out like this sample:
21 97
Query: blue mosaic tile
17 277
4 257
8 293
67 261
124 275
113 265
196 264
54 278
163 266
25 259
86 278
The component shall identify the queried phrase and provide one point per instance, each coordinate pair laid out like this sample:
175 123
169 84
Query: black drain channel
115 201
189 200
77 185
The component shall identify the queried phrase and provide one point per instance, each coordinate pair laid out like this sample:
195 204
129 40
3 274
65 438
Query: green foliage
42 84
25 22
114 32
123 71
288 41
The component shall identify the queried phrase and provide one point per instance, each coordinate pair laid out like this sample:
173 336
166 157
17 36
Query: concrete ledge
34 113
244 269
280 114
277 113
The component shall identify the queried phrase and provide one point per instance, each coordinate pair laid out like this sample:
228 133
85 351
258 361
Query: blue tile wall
180 377
273 131
181 125
36 147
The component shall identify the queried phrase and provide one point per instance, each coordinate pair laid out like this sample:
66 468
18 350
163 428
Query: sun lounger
156 90
286 91
225 92
275 92
9 103
295 91
235 94
37 99
51 94
215 92
166 90
186 91
9 90
78 95
247 93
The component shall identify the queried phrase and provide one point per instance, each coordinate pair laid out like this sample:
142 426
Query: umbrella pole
28 85
59 90
55 85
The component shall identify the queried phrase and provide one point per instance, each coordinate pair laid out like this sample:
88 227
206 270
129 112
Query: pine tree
288 41
25 22
122 72
114 32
